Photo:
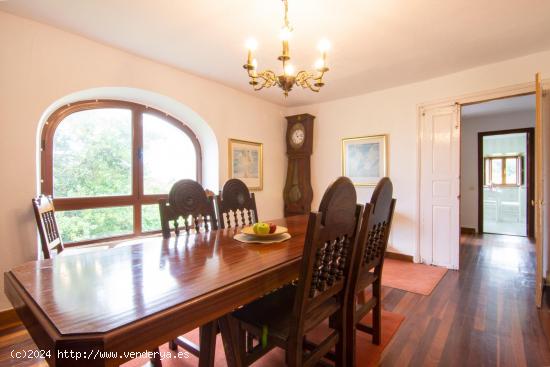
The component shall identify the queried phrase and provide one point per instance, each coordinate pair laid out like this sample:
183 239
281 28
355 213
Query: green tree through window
108 163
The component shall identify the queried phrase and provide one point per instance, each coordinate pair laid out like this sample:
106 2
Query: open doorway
448 198
496 170
506 182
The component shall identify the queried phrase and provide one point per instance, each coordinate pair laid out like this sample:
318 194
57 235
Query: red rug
410 277
367 353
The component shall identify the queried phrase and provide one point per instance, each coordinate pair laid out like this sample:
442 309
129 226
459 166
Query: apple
261 228
272 228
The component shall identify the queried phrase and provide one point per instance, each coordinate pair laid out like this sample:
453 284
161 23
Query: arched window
107 163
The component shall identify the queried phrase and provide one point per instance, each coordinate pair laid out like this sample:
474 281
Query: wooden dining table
134 298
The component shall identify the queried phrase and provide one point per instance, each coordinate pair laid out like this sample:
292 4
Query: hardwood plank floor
483 315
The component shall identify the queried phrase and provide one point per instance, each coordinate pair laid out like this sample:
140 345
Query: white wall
394 112
40 64
470 127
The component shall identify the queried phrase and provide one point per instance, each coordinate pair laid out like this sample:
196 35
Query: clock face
297 135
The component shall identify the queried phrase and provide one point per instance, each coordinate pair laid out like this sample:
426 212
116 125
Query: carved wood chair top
44 212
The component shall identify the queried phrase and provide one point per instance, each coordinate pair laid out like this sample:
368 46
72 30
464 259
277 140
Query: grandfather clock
299 146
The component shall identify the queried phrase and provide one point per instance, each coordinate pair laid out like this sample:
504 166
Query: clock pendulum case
298 192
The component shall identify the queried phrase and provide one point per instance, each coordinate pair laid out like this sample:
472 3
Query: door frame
462 100
498 93
529 166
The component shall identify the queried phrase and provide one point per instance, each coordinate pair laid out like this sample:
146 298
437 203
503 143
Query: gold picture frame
245 162
365 159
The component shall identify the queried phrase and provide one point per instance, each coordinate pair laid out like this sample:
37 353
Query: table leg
230 341
155 361
207 336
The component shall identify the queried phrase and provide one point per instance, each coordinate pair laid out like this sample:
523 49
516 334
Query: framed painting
364 159
246 163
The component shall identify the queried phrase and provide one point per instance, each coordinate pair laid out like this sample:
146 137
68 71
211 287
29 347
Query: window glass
93 159
92 154
496 171
89 224
168 155
150 218
487 172
498 168
512 171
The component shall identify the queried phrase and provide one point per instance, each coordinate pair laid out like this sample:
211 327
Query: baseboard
393 254
467 230
9 318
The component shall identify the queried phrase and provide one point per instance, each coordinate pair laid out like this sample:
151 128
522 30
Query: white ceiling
500 106
376 43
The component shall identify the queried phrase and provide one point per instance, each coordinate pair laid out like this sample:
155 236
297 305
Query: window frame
487 170
137 198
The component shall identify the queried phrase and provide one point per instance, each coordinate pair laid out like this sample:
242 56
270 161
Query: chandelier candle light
305 79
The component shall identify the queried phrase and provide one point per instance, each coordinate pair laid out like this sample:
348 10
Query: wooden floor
483 315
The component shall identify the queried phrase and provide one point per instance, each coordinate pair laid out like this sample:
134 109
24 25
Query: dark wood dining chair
190 203
50 238
367 268
236 205
284 317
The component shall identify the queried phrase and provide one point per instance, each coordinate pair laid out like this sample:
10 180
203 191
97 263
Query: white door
440 185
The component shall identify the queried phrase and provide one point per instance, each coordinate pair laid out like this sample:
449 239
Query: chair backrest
44 213
329 249
187 200
375 230
236 205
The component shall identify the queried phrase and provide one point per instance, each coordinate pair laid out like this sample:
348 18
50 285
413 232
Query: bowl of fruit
264 230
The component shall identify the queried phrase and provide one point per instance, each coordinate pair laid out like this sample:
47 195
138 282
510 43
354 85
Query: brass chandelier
305 79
